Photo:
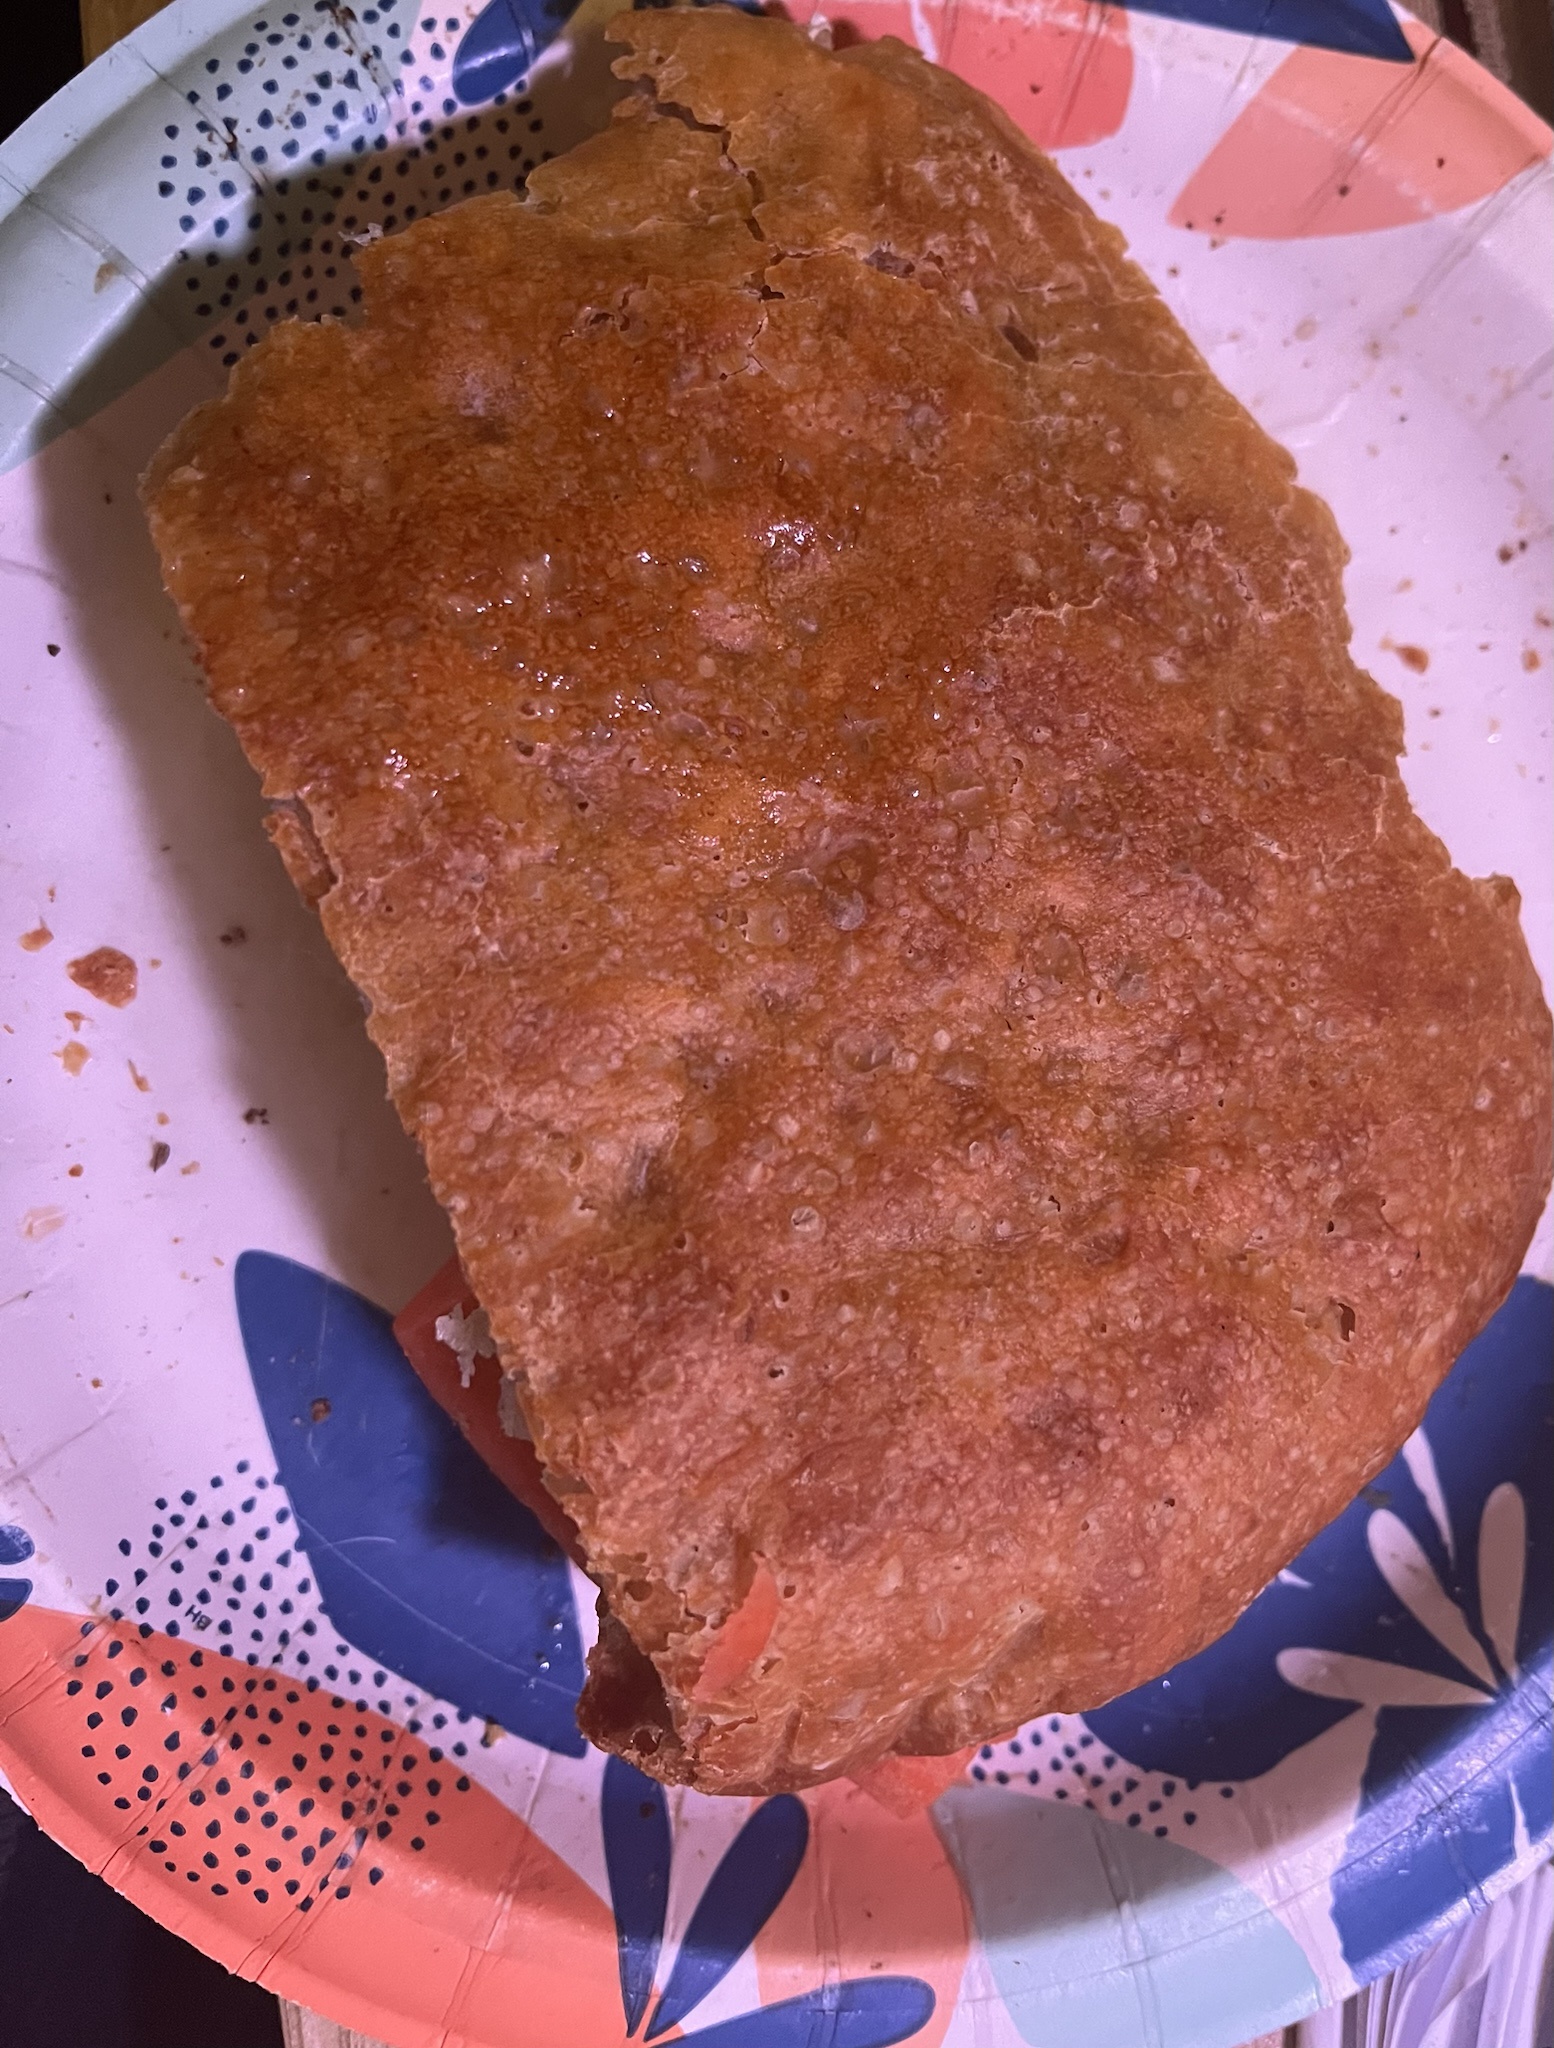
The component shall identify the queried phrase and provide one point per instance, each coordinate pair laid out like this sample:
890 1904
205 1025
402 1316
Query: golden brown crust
958 1077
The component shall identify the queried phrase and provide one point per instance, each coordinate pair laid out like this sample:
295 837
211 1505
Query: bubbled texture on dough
827 740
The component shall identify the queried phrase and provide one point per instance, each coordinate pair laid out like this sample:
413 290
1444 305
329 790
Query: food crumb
162 1117
138 1078
35 940
1412 657
256 1116
76 1171
75 1019
1531 659
192 1167
42 1222
161 1152
52 646
106 973
73 1056
96 1383
234 935
491 1735
319 1410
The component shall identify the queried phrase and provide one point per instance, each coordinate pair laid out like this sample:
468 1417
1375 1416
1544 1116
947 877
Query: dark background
44 50
82 1968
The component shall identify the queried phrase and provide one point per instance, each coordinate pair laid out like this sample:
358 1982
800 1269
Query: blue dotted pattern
220 1565
213 1808
1060 1758
313 130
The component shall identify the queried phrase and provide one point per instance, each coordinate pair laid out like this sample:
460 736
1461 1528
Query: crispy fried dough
828 741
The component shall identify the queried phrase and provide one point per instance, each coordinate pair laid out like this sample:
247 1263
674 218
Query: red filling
476 1407
903 1785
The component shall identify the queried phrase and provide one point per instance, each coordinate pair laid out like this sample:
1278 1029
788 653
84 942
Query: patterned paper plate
276 1655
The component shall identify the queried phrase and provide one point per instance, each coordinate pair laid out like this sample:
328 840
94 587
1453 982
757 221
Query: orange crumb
741 1639
108 974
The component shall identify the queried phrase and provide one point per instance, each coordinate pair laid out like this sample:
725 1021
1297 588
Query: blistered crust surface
827 740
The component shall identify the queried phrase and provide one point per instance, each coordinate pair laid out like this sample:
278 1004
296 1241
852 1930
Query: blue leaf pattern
16 1546
501 43
865 2012
636 1856
745 1889
1359 28
424 1560
1448 1790
428 1565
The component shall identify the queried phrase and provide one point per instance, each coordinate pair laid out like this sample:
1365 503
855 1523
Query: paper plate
276 1656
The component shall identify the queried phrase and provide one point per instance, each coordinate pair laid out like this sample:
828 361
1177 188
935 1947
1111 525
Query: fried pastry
976 1112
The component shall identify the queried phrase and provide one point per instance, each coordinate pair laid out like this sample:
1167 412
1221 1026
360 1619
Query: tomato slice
905 1785
469 1390
741 1639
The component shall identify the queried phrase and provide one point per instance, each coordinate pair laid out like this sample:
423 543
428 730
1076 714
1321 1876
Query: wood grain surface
104 21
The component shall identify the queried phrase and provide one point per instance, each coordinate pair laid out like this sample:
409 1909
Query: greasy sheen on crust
828 742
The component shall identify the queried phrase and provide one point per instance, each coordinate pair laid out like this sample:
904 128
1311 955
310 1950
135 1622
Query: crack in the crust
676 110
1003 320
925 270
891 263
882 257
